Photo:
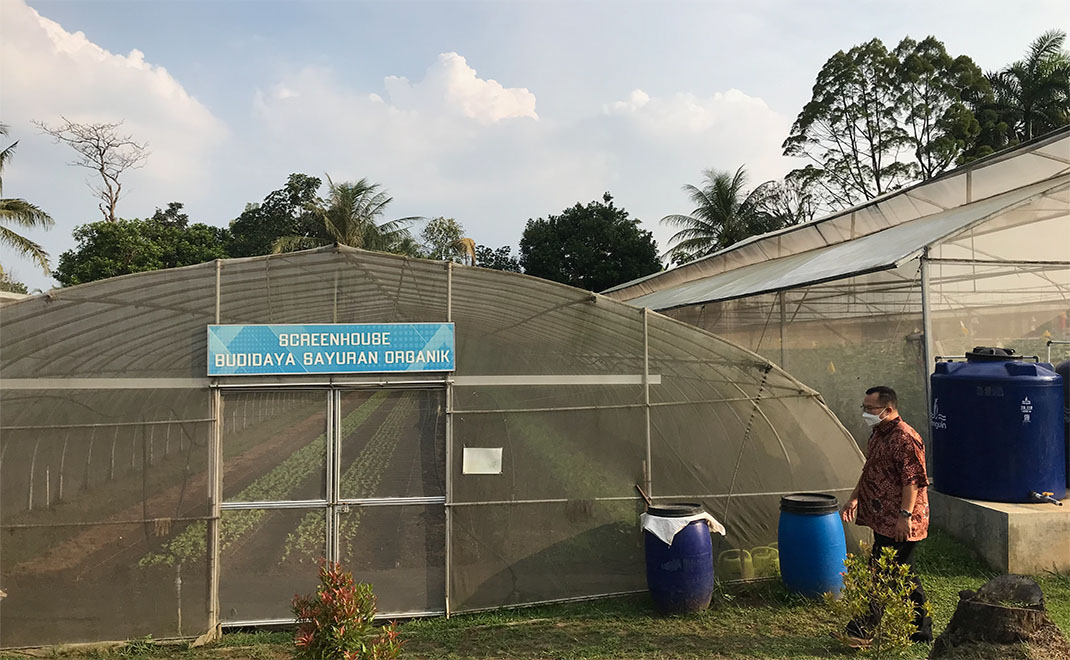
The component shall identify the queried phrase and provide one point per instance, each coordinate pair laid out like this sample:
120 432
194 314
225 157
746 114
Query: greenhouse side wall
839 338
94 485
110 431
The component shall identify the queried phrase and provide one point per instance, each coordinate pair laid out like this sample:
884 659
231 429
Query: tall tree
724 214
20 213
166 240
443 238
105 151
849 131
349 216
284 212
1033 94
497 259
592 247
936 96
880 119
785 203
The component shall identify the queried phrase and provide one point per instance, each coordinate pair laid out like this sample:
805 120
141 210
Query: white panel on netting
482 460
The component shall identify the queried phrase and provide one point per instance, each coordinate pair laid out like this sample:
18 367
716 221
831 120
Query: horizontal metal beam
286 504
553 380
392 501
299 381
658 497
104 383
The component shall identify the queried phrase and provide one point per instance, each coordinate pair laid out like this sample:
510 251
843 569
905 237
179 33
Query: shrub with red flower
336 623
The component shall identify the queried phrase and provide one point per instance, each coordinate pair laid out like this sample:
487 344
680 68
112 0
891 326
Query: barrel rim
675 509
809 503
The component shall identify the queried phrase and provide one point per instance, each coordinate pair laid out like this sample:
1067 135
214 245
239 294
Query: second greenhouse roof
878 251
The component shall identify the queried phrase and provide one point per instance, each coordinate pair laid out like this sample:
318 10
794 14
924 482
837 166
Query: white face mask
870 419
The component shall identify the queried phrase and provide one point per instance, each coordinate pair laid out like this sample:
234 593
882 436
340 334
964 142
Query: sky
489 112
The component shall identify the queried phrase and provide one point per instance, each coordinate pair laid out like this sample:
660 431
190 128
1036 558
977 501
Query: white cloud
684 113
450 143
451 85
48 72
440 152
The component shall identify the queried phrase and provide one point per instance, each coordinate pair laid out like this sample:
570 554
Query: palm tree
349 217
21 213
1033 94
723 216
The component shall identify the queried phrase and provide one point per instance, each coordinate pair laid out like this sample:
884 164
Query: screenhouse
873 294
168 469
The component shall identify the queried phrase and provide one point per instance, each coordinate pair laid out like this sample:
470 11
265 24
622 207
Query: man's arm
850 507
906 503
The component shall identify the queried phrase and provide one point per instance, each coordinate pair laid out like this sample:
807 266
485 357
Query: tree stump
1005 618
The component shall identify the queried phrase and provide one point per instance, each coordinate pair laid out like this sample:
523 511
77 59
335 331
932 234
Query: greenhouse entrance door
355 475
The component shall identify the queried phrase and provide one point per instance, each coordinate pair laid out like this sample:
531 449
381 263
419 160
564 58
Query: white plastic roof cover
1043 159
108 431
880 250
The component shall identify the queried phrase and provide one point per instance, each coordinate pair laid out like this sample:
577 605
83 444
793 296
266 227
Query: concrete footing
1012 538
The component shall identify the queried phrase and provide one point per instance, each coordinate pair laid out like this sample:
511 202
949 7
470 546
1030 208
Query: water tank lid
991 354
809 503
675 509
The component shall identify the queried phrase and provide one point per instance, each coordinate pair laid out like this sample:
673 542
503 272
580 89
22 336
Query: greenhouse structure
179 448
979 256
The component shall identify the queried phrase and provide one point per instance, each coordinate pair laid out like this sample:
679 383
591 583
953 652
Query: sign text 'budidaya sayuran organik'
338 348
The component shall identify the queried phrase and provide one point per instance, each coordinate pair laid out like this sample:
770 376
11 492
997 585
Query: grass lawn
757 620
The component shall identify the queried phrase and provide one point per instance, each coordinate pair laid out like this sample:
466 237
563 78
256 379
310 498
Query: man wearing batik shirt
891 497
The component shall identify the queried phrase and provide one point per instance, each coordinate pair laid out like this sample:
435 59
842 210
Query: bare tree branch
101 148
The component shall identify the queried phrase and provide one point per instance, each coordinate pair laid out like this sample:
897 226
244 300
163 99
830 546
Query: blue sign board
339 348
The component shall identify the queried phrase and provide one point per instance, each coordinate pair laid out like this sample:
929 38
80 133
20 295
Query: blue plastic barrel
680 575
997 428
811 543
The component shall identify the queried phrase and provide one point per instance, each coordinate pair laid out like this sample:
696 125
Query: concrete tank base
1012 538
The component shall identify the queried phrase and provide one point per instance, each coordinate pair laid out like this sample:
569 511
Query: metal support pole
218 287
334 304
783 322
646 402
334 475
215 494
928 351
449 452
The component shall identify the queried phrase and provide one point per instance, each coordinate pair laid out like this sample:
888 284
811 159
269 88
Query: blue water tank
811 544
997 428
1063 369
680 575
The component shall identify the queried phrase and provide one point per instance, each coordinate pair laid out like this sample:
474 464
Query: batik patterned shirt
896 458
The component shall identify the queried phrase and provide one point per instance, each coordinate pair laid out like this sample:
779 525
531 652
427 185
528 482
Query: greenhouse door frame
334 504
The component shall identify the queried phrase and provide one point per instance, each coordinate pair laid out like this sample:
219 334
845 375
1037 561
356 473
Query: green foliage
284 212
443 239
938 94
592 247
882 586
880 119
1032 95
850 130
20 213
107 249
138 647
497 259
349 216
11 285
723 215
336 623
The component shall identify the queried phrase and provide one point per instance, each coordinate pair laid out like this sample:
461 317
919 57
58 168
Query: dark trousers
904 554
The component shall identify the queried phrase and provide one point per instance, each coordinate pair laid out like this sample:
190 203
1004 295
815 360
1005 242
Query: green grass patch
758 620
